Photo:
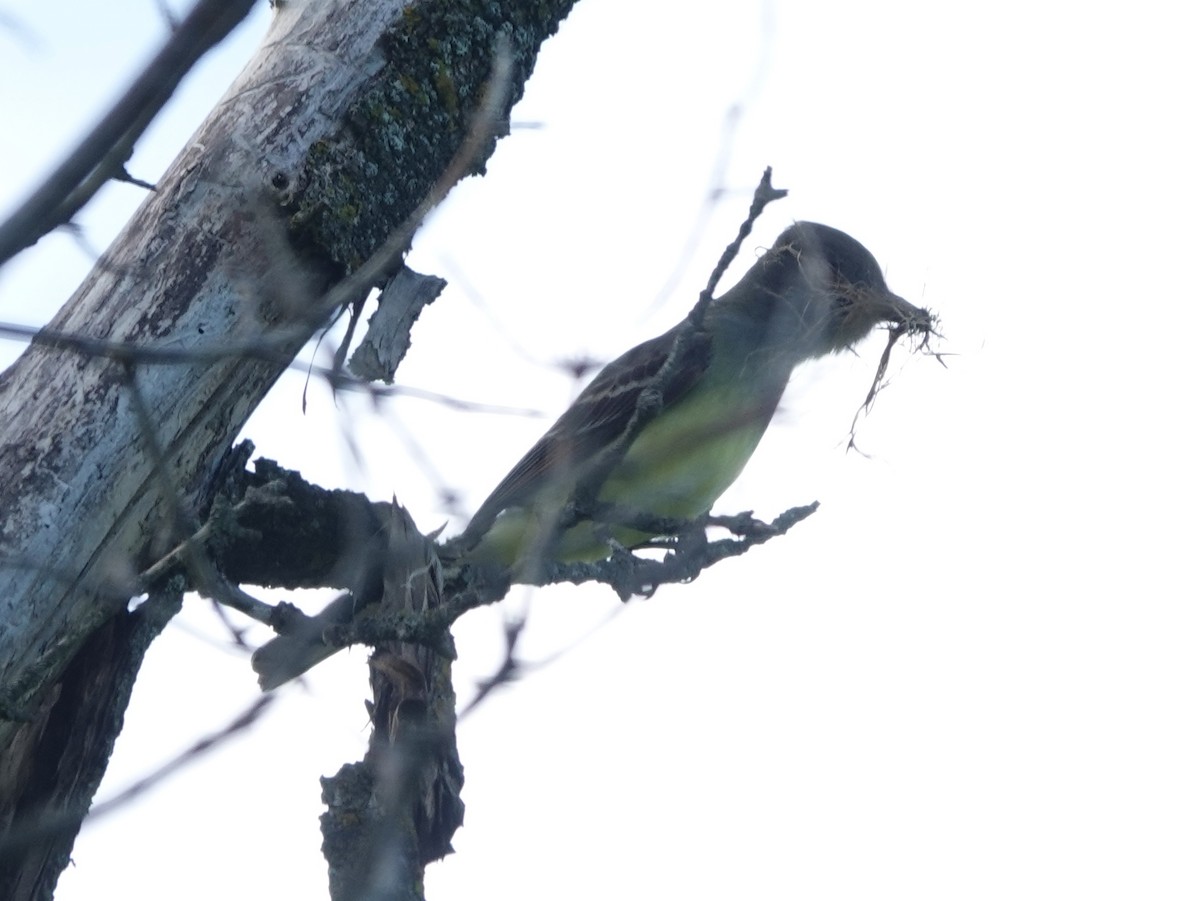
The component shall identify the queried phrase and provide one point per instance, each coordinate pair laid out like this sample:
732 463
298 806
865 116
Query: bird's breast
685 458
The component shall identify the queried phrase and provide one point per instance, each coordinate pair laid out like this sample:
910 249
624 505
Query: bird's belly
680 464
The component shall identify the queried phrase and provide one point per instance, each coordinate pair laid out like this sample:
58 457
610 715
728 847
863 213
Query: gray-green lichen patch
400 134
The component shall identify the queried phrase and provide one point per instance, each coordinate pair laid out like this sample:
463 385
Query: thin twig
260 349
101 155
765 193
581 504
38 829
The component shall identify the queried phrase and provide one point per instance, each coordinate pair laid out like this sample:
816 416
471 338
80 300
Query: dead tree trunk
114 424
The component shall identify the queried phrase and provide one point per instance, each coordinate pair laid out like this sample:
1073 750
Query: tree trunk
329 139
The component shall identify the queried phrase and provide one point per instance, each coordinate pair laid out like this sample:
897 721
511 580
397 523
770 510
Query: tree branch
103 153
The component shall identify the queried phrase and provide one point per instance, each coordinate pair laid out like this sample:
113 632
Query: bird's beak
913 318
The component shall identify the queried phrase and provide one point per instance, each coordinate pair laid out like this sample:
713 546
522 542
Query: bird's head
837 287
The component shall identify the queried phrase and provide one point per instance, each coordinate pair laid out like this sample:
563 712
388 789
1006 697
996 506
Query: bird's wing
671 363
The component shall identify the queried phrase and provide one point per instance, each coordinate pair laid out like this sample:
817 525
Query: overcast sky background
973 674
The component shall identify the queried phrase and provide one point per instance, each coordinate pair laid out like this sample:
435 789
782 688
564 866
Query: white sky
973 674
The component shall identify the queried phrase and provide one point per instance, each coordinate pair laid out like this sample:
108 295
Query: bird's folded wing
671 364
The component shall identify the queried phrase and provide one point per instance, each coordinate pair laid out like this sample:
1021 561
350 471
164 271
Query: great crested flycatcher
665 428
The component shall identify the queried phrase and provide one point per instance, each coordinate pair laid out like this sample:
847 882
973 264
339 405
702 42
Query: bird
663 430
653 440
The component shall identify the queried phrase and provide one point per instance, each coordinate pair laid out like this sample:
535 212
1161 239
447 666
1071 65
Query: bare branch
765 193
267 348
52 824
103 153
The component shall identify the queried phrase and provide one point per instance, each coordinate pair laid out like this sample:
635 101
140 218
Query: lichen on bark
396 139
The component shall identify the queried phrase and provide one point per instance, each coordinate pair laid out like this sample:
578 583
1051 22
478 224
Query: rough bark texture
327 141
397 810
82 722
